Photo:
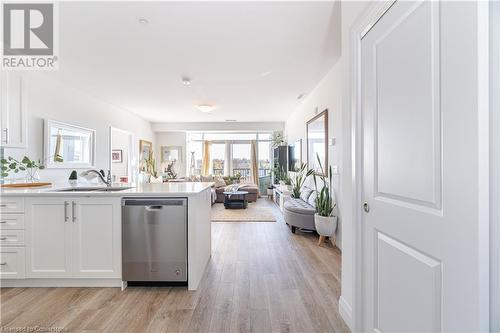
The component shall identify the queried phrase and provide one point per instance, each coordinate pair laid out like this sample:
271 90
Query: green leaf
22 168
12 165
16 170
25 160
5 174
3 161
4 168
41 167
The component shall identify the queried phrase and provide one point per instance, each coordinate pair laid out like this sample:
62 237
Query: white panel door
13 107
48 238
96 237
420 148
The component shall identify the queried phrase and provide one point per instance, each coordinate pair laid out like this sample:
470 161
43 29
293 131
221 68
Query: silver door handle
73 206
6 131
3 263
3 205
3 222
366 207
66 217
3 238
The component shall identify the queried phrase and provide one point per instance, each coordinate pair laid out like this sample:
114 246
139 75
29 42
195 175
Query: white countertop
156 189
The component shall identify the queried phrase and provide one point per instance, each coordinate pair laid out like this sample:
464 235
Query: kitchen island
71 237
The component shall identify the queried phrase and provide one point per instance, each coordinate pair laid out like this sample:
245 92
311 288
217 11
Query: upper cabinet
13 111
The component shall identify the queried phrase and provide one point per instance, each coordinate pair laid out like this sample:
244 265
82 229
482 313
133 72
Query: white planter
325 226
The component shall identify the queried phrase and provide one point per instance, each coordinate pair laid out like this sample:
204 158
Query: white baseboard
27 283
345 311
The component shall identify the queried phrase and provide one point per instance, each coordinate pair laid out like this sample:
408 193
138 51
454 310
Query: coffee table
235 200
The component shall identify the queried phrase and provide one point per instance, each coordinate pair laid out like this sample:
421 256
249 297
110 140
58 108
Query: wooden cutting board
25 185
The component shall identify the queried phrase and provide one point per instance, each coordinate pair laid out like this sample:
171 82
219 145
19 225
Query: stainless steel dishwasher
154 240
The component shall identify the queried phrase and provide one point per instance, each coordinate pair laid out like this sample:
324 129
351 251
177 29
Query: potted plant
299 178
277 139
31 167
325 222
73 178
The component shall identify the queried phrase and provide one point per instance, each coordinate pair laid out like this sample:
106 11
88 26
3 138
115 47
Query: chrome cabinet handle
3 222
3 205
366 207
3 238
66 217
3 263
73 206
6 131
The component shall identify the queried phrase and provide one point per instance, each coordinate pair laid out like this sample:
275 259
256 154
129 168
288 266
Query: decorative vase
32 175
325 225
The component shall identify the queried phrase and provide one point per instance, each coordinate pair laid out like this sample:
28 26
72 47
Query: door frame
363 24
494 166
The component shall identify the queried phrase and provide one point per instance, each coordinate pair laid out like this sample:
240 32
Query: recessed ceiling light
142 20
231 120
206 108
300 96
265 73
186 81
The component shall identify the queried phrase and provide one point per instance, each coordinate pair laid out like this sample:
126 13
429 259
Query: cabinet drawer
11 205
11 237
12 263
11 221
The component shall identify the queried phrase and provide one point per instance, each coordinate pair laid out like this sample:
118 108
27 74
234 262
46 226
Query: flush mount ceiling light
143 21
300 96
206 108
186 81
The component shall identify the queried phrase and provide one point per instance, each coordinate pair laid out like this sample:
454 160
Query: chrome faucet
106 181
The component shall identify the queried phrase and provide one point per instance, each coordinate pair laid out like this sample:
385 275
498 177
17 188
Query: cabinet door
96 237
48 238
13 107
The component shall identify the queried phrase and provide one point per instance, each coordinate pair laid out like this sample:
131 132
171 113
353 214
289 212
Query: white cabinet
12 262
48 237
96 237
75 238
13 111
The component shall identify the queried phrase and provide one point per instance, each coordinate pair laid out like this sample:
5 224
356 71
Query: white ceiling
224 47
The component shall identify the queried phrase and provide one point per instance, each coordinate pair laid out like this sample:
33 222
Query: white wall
495 166
333 92
47 97
219 126
172 139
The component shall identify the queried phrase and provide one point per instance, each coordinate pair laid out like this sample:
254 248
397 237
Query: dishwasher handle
153 208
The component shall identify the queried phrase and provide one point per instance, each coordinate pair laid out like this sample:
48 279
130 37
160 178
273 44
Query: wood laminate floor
261 278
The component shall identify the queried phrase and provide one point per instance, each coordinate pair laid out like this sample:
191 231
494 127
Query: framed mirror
317 145
68 146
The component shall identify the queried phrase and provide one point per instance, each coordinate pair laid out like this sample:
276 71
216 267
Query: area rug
253 213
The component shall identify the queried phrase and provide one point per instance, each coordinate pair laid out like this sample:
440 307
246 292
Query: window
230 154
195 155
217 155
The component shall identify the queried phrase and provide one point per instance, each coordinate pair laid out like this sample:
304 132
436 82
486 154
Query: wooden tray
22 185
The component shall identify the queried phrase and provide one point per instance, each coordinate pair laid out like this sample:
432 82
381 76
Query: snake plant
324 201
299 178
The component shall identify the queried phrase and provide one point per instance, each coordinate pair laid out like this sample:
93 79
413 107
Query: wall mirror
68 146
317 136
122 156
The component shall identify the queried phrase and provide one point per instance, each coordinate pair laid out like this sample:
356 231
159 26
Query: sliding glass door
241 153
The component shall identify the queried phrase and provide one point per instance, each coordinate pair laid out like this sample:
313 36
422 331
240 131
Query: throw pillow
312 199
305 193
219 182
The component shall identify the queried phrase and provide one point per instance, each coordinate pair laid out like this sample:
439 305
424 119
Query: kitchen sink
93 189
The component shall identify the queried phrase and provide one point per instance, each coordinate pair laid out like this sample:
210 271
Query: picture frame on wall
117 156
171 153
145 148
317 142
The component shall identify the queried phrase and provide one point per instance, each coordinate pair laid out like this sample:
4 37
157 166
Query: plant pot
325 225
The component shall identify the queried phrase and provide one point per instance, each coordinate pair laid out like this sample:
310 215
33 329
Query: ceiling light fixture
206 108
300 96
230 120
143 21
186 81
